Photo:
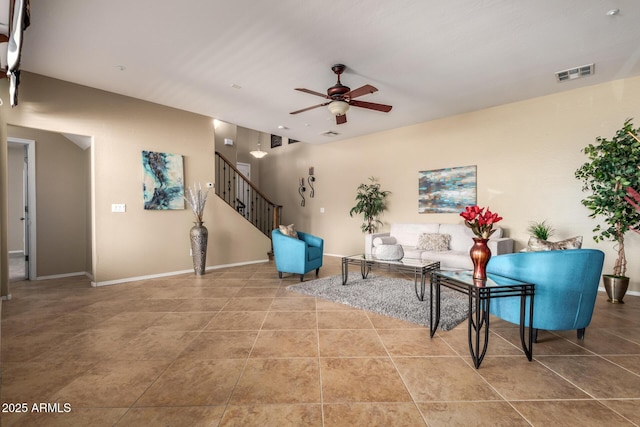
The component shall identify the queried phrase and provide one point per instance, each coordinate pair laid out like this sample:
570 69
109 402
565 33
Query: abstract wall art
276 141
163 181
447 190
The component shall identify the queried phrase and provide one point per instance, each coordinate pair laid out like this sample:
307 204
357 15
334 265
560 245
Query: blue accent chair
299 255
566 285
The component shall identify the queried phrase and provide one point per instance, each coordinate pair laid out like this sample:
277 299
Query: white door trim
31 201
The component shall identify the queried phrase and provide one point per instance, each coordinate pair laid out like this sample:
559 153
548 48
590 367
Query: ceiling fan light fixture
338 108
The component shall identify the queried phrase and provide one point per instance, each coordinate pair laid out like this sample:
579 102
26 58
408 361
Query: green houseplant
612 168
541 230
371 203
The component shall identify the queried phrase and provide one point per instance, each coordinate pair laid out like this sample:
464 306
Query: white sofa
455 258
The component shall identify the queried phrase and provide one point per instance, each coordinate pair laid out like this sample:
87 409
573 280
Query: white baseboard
172 273
62 276
634 293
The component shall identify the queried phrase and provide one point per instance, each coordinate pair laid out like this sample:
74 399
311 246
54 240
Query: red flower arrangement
480 221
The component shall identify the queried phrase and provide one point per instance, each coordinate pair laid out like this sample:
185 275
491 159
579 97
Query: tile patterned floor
234 348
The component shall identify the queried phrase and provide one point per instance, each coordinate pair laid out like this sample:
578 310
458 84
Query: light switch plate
118 207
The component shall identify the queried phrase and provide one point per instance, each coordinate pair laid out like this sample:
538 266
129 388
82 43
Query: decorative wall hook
310 180
301 191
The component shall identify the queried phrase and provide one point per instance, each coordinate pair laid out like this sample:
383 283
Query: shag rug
389 296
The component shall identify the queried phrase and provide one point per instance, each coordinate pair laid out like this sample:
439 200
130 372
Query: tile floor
234 348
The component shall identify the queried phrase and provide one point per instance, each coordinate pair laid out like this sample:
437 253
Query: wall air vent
330 133
575 73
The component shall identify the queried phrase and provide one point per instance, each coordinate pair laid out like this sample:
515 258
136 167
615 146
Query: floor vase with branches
199 235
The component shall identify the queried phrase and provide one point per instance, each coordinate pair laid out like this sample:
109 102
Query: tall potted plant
613 168
371 203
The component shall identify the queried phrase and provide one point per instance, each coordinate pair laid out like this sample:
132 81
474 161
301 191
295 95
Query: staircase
244 197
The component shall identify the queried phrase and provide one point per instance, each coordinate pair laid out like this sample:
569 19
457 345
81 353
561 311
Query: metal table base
480 294
420 269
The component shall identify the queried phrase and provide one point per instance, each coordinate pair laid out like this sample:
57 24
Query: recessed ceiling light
121 67
236 86
330 133
613 12
283 127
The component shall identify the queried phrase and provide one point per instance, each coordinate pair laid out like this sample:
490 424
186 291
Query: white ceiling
428 58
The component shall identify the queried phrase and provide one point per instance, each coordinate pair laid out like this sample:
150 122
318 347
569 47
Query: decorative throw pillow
536 245
384 240
434 242
289 230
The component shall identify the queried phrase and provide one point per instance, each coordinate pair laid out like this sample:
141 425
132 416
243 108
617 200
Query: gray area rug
391 297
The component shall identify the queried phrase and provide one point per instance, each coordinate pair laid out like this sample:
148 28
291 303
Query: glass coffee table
419 268
480 294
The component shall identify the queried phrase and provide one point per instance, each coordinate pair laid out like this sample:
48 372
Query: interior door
26 221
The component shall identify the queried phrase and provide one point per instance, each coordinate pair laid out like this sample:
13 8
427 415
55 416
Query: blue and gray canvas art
163 182
447 190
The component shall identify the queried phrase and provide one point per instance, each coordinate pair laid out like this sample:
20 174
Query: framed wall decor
163 181
447 190
276 141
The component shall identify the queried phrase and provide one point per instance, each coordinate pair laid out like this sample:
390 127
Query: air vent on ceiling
330 133
575 73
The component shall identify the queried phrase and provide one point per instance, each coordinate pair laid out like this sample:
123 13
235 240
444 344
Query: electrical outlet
118 207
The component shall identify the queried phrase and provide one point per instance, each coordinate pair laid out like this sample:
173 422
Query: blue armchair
566 286
299 255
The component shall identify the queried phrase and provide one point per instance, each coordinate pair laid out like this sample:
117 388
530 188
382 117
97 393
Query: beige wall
244 141
526 155
136 243
62 179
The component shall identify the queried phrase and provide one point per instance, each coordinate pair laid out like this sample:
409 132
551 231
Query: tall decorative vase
199 236
480 254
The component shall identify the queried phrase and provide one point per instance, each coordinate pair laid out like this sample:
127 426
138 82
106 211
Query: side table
480 294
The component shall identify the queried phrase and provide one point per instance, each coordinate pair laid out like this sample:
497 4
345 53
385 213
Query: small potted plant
613 168
371 203
540 230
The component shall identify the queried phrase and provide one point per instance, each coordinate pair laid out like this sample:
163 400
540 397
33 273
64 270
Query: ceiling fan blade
309 108
371 105
361 91
312 92
341 119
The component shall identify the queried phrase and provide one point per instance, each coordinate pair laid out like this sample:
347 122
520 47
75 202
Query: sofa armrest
502 245
311 240
368 241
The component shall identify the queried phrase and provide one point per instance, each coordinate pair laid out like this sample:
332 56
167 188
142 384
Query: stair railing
244 197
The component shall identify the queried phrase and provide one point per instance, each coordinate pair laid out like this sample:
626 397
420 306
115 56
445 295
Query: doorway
22 221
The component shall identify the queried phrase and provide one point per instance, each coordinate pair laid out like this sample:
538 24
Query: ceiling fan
340 97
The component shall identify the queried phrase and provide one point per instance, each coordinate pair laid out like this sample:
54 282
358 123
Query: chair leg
581 334
302 277
280 274
535 335
317 271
